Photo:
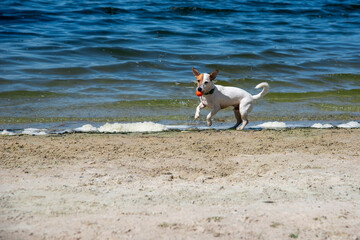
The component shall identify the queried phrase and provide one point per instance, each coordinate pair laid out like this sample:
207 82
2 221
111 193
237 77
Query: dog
218 97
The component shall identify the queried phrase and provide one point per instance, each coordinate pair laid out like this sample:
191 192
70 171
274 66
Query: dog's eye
198 81
206 82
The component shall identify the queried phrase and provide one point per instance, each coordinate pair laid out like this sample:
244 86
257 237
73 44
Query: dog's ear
195 72
214 74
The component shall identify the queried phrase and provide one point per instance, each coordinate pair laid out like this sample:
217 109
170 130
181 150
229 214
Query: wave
113 10
132 65
342 7
186 10
125 52
27 16
29 94
59 71
4 81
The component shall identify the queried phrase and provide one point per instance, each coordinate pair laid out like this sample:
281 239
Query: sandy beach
288 184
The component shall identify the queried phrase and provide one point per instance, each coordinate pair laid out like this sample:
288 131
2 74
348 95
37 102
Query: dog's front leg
211 114
197 113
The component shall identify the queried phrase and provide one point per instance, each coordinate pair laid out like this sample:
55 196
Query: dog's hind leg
245 109
237 116
244 123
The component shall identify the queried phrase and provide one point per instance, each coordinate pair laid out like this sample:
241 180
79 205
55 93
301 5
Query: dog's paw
209 123
196 116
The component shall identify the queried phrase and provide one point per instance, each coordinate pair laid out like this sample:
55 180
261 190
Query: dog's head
204 81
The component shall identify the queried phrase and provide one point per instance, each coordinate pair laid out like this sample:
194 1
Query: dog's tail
265 87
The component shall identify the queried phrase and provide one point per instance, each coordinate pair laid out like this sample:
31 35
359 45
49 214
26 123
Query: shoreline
148 126
297 183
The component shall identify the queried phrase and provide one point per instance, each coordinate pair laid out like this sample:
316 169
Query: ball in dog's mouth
199 94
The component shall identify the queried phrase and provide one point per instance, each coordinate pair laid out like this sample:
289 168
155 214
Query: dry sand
292 184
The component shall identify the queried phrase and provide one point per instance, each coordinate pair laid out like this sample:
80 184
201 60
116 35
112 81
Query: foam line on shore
272 125
34 131
320 125
157 127
351 124
123 127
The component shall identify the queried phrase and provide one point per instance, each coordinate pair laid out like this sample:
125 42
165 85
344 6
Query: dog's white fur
223 97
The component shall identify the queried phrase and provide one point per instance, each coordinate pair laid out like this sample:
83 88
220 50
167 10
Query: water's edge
147 127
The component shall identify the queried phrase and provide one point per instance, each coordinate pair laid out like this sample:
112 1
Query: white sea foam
178 127
5 132
352 124
319 125
86 128
272 125
155 127
34 131
132 127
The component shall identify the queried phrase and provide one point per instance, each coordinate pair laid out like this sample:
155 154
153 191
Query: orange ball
199 94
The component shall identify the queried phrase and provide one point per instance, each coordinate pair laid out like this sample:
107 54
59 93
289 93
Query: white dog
218 97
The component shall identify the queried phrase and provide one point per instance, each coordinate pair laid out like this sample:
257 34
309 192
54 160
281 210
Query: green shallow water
45 107
345 96
337 107
184 115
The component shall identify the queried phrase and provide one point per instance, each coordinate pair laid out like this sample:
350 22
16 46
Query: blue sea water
97 61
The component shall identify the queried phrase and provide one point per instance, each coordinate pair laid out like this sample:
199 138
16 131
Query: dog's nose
199 89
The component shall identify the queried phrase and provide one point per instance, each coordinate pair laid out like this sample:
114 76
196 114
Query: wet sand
291 184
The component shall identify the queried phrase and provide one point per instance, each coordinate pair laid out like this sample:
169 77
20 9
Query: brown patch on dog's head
200 79
199 76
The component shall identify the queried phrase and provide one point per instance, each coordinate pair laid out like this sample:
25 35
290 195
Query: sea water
65 64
